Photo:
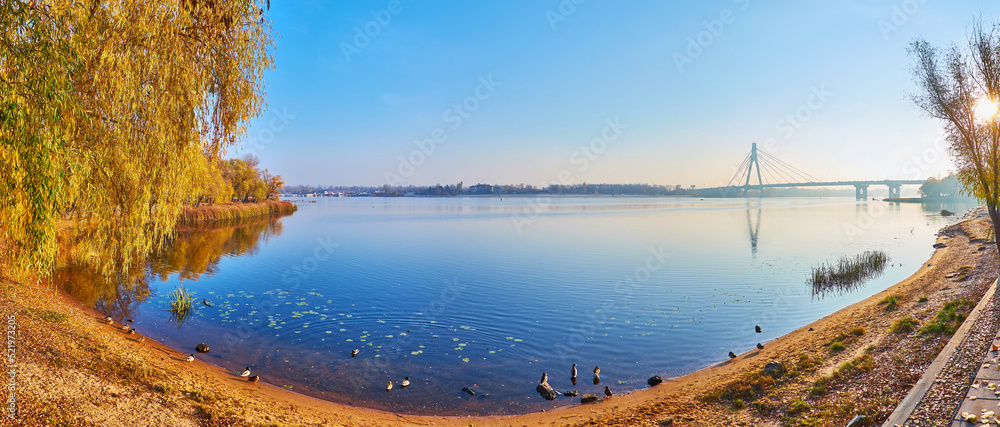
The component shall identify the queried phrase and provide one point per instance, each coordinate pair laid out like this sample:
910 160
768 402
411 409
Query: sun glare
986 109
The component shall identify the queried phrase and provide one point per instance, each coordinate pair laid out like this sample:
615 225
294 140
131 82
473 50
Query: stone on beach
588 398
546 391
859 421
654 380
774 368
202 348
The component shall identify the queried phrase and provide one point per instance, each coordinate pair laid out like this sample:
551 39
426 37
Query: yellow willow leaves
108 112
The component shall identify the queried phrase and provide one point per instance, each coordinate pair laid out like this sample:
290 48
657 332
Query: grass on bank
848 273
948 319
228 213
890 302
181 305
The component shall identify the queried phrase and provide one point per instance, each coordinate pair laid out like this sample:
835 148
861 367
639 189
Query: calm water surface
489 293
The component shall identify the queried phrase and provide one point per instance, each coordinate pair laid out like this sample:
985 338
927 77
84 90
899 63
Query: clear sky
675 92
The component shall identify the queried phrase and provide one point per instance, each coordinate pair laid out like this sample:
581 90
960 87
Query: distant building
481 189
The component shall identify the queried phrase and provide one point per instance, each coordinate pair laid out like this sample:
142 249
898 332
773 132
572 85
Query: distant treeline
497 189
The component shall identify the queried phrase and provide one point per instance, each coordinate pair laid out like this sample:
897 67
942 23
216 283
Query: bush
181 300
922 299
890 302
904 326
798 407
836 346
947 321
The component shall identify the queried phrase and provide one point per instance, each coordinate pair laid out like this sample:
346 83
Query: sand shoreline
265 404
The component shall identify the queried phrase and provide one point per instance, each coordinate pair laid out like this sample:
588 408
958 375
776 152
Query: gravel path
940 404
942 400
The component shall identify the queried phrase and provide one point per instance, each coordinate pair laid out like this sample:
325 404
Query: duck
405 383
388 386
203 301
131 332
545 378
253 378
607 391
126 327
190 358
597 371
572 373
355 352
108 319
246 372
757 328
760 346
140 338
732 356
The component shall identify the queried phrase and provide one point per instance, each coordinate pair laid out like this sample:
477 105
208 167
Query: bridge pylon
753 162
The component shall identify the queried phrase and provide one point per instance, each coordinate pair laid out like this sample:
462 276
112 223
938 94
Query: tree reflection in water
191 253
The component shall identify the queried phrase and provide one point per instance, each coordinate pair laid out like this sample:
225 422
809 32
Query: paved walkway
982 397
990 374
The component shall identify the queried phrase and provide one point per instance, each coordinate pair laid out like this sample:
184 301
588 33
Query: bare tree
954 83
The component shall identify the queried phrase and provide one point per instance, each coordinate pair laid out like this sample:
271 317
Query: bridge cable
768 172
738 173
783 174
793 168
788 173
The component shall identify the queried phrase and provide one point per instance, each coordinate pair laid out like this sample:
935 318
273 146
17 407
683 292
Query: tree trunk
995 219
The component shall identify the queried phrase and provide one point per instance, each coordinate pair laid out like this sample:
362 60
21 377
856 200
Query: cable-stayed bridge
772 172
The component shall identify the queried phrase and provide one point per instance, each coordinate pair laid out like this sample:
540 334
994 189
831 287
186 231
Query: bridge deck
886 182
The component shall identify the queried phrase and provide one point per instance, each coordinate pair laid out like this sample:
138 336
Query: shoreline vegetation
848 273
857 360
230 213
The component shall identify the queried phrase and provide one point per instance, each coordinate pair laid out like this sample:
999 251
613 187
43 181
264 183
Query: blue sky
686 86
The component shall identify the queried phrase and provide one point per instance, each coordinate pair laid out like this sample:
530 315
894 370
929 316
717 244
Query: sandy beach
73 369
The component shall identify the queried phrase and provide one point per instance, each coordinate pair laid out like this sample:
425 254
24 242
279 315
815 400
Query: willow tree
961 87
111 113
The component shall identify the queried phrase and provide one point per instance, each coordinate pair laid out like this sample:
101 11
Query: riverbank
73 369
227 213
